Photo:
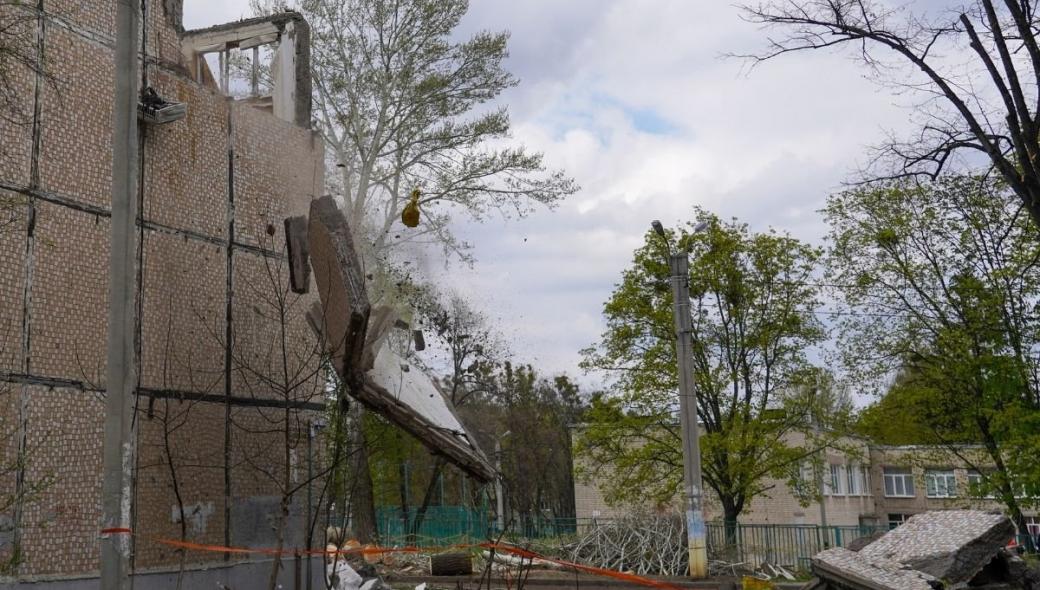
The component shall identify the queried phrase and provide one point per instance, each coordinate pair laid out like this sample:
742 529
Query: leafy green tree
942 282
753 303
537 462
402 104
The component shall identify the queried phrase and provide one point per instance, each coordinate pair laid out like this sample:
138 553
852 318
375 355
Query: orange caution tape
599 571
520 552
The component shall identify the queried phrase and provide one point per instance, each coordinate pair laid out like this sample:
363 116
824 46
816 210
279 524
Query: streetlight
679 263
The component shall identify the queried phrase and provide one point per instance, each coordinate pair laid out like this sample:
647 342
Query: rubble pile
942 550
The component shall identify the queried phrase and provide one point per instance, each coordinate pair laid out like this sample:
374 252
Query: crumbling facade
215 188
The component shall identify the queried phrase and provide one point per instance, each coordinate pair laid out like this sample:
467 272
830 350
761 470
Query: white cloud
598 77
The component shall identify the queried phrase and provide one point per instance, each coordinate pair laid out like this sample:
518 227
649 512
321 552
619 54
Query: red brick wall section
13 211
196 445
16 121
70 294
186 164
76 150
276 174
183 314
183 298
61 528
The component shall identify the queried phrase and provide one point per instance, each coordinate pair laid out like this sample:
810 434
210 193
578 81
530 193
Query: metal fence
750 545
441 525
790 546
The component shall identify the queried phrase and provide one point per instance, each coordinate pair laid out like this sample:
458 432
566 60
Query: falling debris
356 338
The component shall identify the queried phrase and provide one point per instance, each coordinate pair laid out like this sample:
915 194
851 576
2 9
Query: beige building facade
862 485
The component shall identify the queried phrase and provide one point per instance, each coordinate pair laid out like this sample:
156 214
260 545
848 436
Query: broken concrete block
379 324
861 542
299 259
951 545
847 569
1007 570
341 286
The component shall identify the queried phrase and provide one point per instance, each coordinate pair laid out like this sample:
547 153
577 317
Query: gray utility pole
120 375
696 534
500 517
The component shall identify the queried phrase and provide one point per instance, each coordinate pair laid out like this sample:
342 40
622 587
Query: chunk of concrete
951 545
341 287
842 568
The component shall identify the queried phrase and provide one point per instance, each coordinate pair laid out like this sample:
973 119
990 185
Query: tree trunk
730 513
363 507
1020 523
403 489
420 514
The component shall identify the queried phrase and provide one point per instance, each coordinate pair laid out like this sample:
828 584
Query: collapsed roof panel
409 397
376 376
938 549
344 306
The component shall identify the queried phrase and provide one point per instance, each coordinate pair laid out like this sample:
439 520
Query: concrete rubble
938 550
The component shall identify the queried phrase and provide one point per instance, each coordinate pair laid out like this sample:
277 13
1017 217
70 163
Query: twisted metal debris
644 545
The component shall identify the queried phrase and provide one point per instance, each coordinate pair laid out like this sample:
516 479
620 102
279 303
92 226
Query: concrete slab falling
403 393
354 337
344 307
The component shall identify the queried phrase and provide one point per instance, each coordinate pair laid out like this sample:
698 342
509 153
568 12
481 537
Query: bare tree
18 57
976 69
276 358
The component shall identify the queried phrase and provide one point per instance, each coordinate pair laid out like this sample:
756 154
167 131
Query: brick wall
227 164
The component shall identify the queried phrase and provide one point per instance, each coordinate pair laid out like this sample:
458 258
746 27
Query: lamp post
679 263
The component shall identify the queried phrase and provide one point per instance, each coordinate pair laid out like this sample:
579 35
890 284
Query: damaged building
214 189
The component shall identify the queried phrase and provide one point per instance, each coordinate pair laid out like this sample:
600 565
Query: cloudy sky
634 99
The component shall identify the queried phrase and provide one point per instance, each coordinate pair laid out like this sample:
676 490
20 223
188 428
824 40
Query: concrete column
120 375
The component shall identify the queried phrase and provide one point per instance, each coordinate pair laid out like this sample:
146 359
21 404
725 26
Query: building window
895 520
940 483
858 480
836 483
899 482
1033 525
975 485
